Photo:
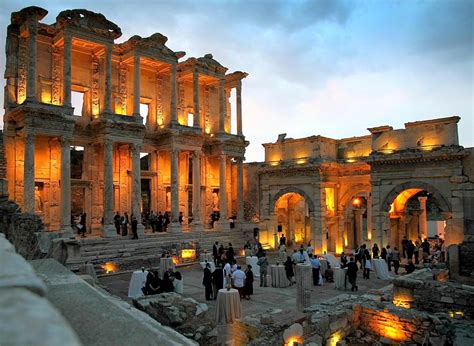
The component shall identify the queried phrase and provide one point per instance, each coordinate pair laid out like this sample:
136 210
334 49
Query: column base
222 226
141 231
197 227
109 231
175 227
66 232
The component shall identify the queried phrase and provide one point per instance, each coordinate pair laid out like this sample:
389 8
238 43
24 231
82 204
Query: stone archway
388 200
291 210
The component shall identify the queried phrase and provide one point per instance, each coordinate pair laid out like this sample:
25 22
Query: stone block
16 272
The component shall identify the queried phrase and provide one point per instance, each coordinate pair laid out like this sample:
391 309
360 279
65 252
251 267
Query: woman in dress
248 286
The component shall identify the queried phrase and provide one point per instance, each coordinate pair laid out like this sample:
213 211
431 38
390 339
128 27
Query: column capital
197 154
422 198
135 148
108 143
65 141
29 137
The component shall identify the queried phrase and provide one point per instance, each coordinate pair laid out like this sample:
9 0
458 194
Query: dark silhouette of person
207 281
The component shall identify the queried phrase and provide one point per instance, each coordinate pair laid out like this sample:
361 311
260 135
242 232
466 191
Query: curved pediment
90 21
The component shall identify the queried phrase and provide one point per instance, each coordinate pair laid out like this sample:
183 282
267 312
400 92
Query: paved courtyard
264 298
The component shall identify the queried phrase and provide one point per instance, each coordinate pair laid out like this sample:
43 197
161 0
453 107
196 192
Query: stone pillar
422 218
66 229
240 190
29 174
32 48
108 228
67 69
108 78
174 95
137 188
223 223
239 108
304 276
358 220
136 85
222 105
197 117
174 225
369 218
197 191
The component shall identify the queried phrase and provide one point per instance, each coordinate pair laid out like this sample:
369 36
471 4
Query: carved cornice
155 42
412 156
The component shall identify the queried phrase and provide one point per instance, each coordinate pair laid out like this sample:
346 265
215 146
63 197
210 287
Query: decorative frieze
95 86
22 68
159 100
123 87
56 77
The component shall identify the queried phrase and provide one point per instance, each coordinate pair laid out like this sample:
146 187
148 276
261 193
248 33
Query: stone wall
23 305
434 296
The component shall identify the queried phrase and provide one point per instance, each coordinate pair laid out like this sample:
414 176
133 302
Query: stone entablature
47 64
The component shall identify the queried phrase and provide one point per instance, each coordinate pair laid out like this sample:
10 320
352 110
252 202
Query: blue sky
328 67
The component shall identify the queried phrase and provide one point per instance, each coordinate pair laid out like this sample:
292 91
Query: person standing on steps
134 227
207 282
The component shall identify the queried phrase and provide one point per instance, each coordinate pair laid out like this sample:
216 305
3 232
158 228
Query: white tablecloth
278 274
332 260
228 307
381 269
206 257
213 266
323 267
253 262
136 283
340 278
165 263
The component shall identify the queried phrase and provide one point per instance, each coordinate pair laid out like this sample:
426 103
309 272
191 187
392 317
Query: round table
278 274
165 263
381 269
252 260
206 257
340 278
228 307
137 281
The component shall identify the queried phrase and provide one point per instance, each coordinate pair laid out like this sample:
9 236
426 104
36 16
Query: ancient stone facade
339 194
151 133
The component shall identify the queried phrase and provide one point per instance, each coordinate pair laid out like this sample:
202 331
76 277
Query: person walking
368 265
315 265
82 222
238 279
248 286
410 249
396 259
290 273
352 274
159 222
117 222
425 247
389 258
134 227
263 263
207 281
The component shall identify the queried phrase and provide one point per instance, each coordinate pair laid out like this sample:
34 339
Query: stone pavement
264 298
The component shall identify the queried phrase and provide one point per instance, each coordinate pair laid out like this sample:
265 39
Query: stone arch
353 191
294 190
444 203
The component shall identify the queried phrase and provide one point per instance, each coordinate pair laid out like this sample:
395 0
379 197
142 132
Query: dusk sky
332 68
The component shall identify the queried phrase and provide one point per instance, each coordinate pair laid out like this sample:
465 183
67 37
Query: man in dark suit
207 281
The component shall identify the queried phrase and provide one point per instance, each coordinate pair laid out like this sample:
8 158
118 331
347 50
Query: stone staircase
129 254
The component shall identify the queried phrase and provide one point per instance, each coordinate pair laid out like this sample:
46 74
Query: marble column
137 188
108 228
223 223
29 174
66 229
67 70
197 117
32 53
108 78
422 218
303 276
174 225
369 218
197 224
222 105
174 95
239 108
359 223
136 85
240 190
